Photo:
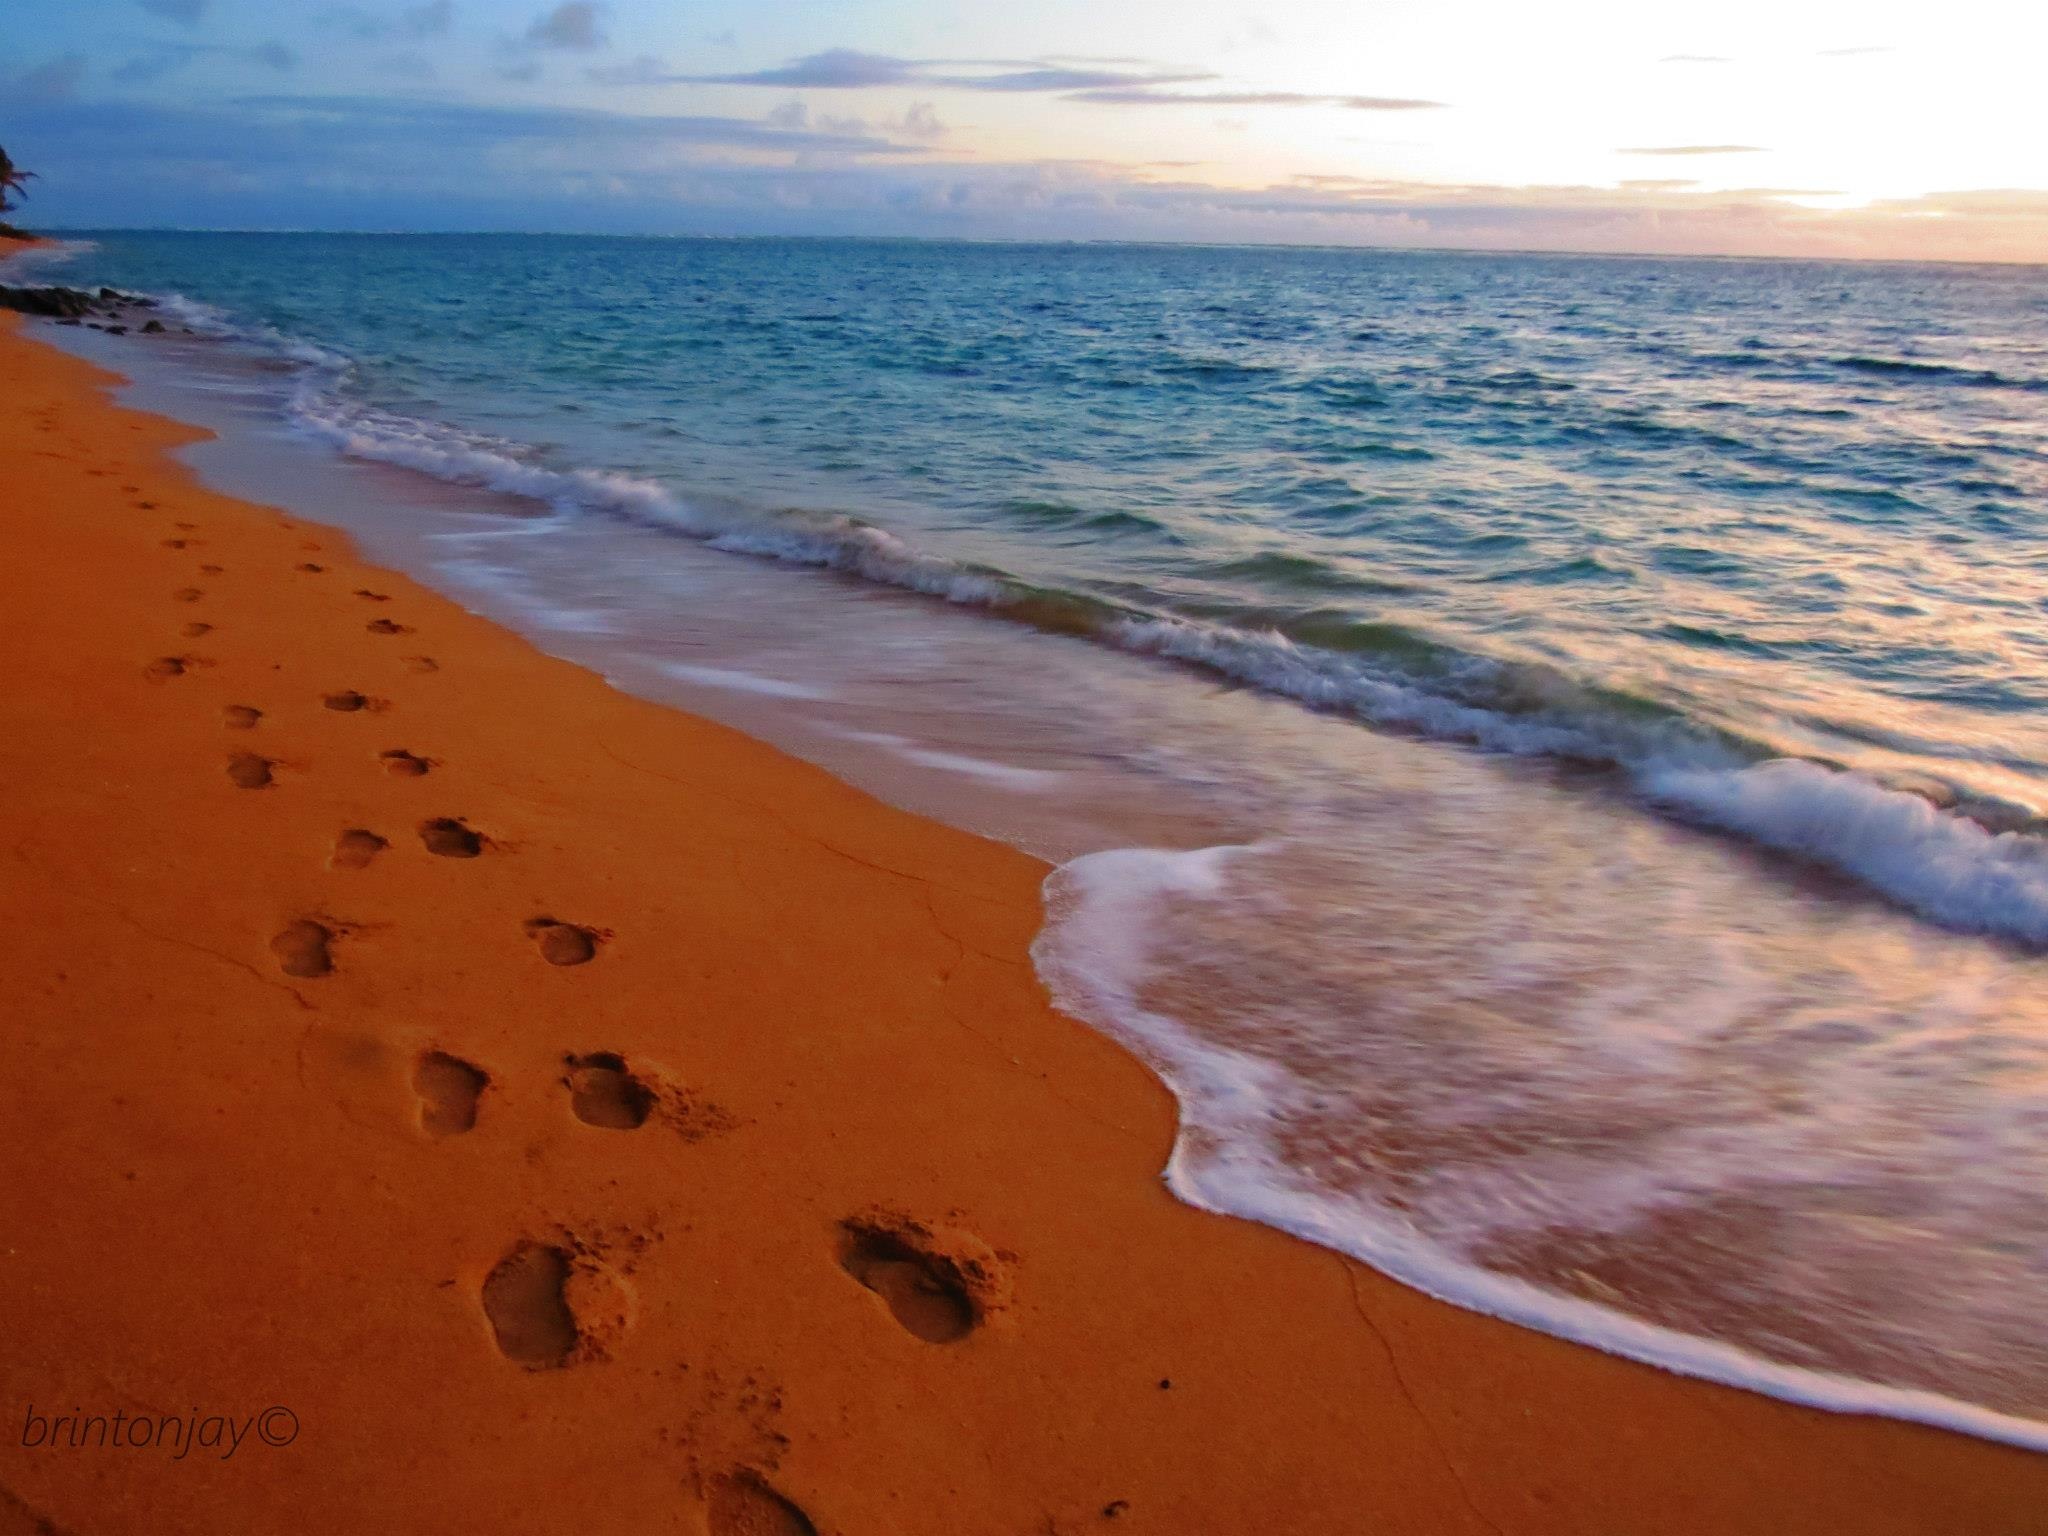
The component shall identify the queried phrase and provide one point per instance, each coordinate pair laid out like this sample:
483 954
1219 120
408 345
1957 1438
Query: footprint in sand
247 770
742 1504
179 543
165 667
195 629
529 1315
187 595
940 1284
387 627
311 569
211 570
448 1088
240 717
375 597
447 836
348 702
562 943
302 949
604 1092
355 848
421 664
550 1306
404 765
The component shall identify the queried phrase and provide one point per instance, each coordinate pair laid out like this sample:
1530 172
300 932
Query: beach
575 1114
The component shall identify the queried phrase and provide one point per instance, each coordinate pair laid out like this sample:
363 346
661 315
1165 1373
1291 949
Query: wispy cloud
167 58
375 121
1696 149
54 80
849 69
354 163
414 22
1144 97
919 121
1117 82
643 70
573 25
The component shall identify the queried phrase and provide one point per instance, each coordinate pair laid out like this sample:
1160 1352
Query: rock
154 328
56 303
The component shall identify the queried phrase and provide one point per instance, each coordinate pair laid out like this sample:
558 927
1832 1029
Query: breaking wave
1935 860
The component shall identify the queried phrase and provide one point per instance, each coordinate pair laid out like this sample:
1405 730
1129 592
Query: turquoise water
1606 508
1631 741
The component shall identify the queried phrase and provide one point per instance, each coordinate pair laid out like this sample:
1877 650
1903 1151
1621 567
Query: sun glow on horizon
1820 129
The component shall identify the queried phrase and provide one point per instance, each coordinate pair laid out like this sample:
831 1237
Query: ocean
1545 755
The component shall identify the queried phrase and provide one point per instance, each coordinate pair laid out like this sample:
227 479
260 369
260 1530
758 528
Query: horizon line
1051 240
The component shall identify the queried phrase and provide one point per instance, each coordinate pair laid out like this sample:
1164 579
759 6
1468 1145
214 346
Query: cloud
2024 202
643 70
380 123
1060 78
167 58
57 79
920 121
1696 149
1141 97
834 69
849 69
1117 82
573 24
414 22
187 11
286 161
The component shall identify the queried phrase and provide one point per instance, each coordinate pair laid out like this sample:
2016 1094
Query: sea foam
1937 862
1097 953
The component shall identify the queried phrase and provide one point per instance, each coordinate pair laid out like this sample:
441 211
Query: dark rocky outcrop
72 303
57 303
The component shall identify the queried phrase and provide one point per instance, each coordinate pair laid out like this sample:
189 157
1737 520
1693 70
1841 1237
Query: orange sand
832 1220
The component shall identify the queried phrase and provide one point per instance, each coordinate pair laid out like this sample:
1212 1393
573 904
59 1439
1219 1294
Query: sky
1742 127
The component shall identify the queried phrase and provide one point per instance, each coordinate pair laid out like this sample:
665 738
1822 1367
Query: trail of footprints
554 1303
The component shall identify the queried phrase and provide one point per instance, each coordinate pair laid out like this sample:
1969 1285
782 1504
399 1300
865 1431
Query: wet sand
578 1116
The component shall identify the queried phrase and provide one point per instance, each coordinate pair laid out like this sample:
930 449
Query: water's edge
1092 956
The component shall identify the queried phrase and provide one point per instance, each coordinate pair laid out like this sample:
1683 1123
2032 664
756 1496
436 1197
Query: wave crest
1935 861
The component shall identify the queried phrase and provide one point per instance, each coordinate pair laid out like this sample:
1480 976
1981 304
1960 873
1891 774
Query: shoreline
766 939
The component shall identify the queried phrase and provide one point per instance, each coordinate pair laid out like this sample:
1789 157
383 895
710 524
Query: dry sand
786 1204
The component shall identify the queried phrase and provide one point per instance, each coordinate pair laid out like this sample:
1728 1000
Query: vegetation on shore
13 192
